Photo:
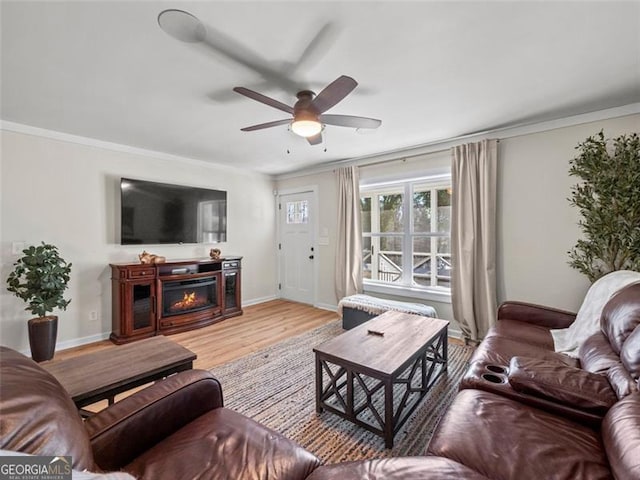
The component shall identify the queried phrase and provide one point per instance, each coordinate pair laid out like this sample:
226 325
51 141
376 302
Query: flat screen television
160 213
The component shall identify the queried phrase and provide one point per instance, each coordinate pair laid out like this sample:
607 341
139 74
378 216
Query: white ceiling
429 70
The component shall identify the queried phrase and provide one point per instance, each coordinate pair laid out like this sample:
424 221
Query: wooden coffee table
394 352
102 375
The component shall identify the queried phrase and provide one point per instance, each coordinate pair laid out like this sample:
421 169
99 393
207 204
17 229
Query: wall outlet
93 316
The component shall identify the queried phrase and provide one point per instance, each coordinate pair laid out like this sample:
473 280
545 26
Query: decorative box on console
172 297
357 309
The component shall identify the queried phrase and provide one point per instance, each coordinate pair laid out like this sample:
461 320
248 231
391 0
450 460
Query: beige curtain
349 242
473 237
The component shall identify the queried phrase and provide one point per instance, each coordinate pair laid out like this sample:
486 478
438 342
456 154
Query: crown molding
427 148
8 126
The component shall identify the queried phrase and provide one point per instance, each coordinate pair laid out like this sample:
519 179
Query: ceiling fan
308 114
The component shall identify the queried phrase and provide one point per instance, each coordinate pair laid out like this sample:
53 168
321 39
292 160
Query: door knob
310 257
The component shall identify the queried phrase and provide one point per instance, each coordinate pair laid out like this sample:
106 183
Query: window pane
421 211
444 262
390 212
444 210
365 208
422 261
389 260
366 257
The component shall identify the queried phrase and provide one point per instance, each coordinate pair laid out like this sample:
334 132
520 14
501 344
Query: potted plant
608 198
40 278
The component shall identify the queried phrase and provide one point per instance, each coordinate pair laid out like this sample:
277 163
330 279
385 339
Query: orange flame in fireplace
188 301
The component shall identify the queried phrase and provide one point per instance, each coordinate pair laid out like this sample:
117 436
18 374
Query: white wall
68 194
536 224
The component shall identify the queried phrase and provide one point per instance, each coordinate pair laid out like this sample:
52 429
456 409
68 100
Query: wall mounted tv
155 213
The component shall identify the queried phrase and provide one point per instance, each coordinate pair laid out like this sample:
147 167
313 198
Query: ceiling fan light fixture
306 128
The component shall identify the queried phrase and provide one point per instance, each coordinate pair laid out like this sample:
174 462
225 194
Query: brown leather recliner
175 429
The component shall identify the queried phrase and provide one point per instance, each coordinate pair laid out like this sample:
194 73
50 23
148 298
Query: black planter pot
43 332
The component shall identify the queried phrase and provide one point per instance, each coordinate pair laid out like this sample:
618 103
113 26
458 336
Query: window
297 212
406 229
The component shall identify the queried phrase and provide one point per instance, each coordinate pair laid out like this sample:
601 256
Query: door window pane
297 212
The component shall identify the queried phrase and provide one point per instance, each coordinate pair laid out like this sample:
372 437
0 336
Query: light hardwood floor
259 326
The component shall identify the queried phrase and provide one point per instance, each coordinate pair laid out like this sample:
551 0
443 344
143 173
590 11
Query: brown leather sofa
517 360
541 414
548 416
526 412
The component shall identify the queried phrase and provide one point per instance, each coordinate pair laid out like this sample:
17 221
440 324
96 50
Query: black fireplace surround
191 295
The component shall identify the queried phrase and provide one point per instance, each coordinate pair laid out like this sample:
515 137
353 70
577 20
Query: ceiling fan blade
186 27
315 50
315 140
350 121
334 93
260 126
263 99
182 25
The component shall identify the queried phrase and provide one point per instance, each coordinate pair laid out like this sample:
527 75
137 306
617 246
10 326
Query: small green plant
609 202
40 278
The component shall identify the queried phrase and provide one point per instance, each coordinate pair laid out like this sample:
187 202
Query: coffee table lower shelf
365 397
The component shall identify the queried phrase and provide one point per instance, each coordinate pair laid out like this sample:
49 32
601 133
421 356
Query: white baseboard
326 306
77 342
256 301
455 333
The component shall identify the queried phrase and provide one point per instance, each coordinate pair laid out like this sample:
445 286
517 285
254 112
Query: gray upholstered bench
357 309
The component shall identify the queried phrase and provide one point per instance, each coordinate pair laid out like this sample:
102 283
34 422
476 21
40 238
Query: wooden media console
172 297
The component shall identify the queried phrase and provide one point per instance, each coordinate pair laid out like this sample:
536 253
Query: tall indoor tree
608 198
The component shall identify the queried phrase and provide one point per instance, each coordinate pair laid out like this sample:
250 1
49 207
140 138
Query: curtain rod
399 159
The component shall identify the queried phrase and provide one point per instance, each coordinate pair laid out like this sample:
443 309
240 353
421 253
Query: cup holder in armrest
494 378
496 369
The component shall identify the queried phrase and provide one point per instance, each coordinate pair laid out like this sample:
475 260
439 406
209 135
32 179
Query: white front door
296 246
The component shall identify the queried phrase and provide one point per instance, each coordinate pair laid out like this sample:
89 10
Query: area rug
276 387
